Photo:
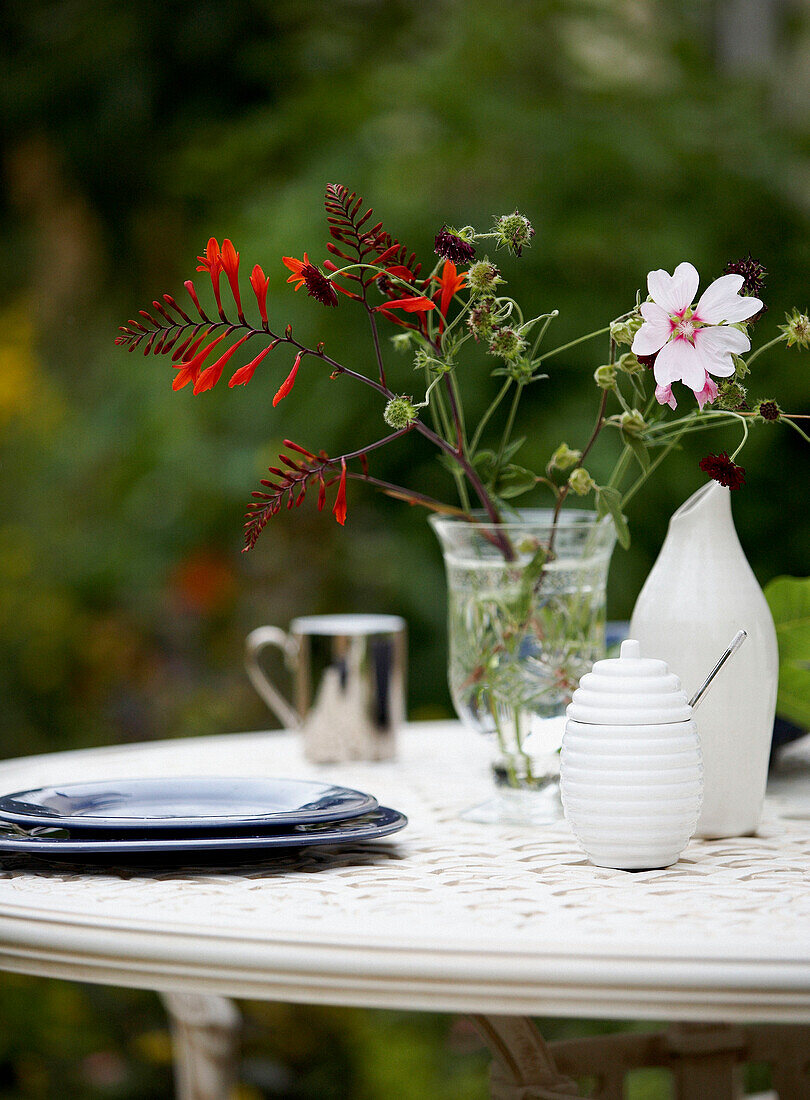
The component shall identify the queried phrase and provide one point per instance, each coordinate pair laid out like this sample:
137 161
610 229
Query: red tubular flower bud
230 265
288 382
301 450
339 509
244 374
189 371
418 304
212 263
211 375
192 293
259 281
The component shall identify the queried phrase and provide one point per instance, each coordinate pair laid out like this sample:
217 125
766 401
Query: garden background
633 134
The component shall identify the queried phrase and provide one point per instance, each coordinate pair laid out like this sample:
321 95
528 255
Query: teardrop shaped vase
700 592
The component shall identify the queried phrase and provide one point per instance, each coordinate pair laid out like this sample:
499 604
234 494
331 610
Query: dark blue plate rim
378 823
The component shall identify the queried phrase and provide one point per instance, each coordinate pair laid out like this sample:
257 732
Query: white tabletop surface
447 915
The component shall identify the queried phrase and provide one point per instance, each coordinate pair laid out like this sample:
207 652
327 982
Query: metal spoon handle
736 642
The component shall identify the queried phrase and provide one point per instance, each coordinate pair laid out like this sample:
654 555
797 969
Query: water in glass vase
525 624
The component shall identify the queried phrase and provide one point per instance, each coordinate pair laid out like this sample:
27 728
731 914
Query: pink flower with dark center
691 342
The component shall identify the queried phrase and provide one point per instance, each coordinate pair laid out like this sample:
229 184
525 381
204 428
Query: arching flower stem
765 347
572 343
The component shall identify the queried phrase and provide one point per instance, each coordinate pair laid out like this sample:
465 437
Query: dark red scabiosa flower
768 410
453 247
648 360
721 468
306 274
753 274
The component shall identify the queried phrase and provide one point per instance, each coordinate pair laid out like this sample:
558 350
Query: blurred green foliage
633 134
789 601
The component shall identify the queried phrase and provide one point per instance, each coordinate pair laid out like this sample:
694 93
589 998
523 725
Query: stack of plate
187 817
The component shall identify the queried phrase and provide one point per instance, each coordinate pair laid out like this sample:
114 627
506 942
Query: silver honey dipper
736 642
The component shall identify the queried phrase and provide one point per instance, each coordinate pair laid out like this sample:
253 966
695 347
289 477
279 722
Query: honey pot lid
629 690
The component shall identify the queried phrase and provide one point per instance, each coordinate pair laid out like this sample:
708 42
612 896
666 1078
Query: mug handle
255 642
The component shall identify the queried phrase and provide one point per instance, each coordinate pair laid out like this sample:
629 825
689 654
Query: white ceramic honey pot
631 773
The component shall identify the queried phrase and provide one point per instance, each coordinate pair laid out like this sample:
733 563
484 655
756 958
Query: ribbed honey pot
631 773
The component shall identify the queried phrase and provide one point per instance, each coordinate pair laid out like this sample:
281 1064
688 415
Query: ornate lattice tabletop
447 915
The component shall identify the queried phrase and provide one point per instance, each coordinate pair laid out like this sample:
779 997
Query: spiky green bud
797 329
482 278
514 231
400 412
481 320
730 394
424 360
506 343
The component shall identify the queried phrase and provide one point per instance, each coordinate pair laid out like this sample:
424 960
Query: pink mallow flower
692 342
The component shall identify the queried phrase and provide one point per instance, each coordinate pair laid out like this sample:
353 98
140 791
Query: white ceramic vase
630 769
700 592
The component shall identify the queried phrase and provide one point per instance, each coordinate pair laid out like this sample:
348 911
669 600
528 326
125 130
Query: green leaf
484 463
513 481
639 449
448 462
609 502
789 601
512 449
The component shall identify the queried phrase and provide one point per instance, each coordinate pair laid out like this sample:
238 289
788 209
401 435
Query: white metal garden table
500 922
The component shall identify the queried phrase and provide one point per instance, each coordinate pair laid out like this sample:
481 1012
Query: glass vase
526 619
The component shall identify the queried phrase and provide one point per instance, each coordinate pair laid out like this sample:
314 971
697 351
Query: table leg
205 1034
523 1068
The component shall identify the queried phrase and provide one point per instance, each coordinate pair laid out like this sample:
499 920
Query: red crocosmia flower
212 263
340 500
288 382
307 274
296 267
230 265
211 375
401 272
259 281
449 284
186 372
189 370
349 293
244 374
418 304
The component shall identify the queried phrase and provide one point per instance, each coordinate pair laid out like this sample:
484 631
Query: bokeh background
634 135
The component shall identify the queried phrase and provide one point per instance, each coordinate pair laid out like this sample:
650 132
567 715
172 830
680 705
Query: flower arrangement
671 342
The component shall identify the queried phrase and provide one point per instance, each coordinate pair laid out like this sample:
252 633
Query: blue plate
184 803
371 826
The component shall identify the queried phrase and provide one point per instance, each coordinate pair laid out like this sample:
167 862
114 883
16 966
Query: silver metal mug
349 682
